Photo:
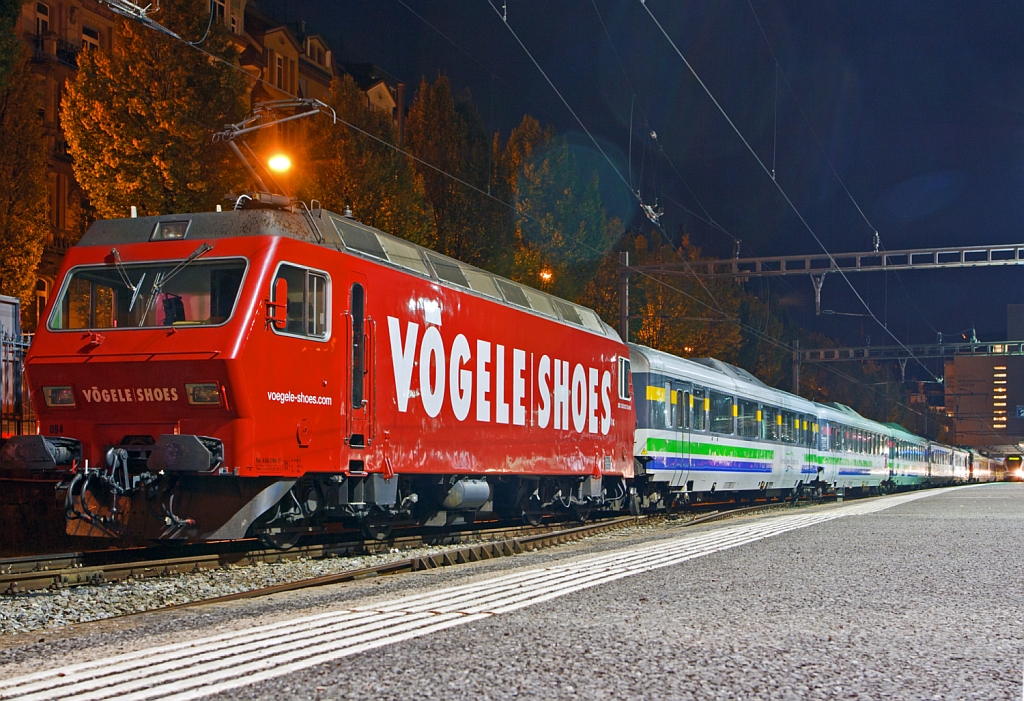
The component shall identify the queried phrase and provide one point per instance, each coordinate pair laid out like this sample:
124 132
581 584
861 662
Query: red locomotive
268 372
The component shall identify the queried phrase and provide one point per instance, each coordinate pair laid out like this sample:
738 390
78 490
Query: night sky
919 107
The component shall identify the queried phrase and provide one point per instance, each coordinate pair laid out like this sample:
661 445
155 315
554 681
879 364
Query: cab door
360 426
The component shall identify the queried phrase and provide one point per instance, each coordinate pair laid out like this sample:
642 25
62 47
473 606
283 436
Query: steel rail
23 574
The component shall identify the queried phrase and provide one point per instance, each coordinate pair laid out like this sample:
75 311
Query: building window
280 72
42 294
234 24
42 18
90 38
218 9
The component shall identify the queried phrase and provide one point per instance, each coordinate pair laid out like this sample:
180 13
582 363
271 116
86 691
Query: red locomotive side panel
450 383
285 382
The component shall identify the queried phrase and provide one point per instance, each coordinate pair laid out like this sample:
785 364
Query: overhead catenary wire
753 330
821 148
779 187
707 218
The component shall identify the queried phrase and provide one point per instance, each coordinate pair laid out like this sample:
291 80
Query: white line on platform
231 660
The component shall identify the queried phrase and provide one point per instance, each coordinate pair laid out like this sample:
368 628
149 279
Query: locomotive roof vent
347 213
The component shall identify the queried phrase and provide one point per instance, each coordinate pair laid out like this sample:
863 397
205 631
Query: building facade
985 399
282 60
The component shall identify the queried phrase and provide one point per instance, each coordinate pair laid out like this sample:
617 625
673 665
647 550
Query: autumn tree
363 170
23 184
561 230
10 49
457 166
139 119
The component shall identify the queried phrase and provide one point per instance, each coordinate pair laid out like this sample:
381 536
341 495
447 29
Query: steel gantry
817 266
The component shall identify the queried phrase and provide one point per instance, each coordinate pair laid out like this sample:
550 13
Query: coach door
682 403
362 337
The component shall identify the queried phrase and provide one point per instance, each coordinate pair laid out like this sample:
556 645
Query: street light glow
280 163
546 275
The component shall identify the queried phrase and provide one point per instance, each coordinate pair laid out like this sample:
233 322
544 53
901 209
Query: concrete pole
624 296
796 367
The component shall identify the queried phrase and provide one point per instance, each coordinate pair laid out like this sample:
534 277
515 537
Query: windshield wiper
160 280
123 272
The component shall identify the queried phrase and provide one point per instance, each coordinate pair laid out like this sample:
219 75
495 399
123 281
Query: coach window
685 400
624 380
789 427
721 413
769 423
746 418
657 400
700 409
305 301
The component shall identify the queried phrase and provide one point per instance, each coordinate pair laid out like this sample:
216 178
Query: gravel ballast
921 600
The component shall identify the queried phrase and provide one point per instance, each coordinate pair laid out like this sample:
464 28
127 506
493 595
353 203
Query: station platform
916 595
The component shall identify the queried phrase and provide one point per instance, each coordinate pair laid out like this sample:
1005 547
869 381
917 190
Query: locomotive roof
342 233
714 374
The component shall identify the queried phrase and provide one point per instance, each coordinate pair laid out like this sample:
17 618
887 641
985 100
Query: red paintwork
265 438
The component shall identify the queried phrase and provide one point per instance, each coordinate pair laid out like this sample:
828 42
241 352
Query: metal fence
16 414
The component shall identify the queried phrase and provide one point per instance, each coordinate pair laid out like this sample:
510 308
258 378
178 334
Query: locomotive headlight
203 394
58 396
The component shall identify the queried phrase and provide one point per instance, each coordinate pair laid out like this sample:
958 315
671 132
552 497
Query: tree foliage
10 49
138 120
447 133
676 314
23 184
349 168
561 229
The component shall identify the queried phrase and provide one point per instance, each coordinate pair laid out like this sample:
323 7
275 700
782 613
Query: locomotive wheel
579 512
375 531
533 518
285 540
634 504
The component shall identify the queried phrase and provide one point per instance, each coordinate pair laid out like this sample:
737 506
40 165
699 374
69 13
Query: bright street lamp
279 163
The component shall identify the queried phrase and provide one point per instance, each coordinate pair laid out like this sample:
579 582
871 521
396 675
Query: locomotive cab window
300 296
146 295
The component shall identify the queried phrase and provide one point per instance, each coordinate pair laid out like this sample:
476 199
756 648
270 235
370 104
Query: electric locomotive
273 372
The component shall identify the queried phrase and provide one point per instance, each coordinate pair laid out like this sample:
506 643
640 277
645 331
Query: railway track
57 571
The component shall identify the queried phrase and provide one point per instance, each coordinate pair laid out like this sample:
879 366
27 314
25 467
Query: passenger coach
704 426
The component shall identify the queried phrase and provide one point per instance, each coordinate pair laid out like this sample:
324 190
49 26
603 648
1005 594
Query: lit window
90 38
